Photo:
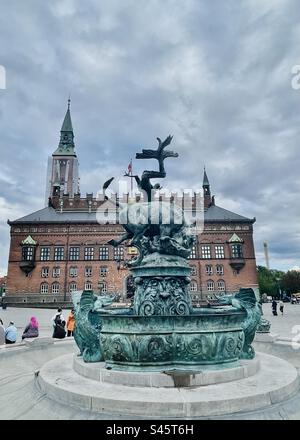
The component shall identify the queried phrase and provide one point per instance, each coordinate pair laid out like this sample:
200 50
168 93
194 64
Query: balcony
27 266
237 263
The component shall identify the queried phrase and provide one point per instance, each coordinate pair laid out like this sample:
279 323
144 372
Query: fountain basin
207 338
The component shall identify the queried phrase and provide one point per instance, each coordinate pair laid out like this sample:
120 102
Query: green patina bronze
162 331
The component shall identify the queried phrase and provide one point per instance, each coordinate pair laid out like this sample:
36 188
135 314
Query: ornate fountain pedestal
156 343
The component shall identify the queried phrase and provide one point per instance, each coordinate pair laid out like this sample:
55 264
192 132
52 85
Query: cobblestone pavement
283 325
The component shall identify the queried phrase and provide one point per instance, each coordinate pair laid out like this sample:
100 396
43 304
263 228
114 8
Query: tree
268 281
291 281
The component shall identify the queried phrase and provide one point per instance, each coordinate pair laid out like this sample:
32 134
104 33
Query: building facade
62 247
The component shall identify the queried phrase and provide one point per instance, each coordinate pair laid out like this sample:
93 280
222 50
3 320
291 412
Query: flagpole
131 183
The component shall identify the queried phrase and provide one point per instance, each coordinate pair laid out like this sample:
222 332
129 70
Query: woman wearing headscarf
32 329
2 333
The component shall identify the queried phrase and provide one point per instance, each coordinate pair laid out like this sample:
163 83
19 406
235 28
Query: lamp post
279 289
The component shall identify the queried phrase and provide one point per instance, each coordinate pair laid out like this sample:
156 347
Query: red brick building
62 247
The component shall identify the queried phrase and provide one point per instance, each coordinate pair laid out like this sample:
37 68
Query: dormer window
27 253
236 250
27 263
237 258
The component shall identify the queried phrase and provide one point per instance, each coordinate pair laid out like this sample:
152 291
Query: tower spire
66 143
206 190
205 178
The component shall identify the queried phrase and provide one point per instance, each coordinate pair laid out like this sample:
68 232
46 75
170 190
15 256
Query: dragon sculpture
246 300
88 324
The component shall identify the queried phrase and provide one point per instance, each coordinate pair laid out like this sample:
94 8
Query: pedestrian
2 333
59 331
274 307
281 305
32 329
59 312
71 323
11 333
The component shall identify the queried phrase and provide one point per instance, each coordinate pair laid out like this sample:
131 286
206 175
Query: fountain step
276 381
172 378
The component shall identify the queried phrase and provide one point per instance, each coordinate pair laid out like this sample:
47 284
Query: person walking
281 305
71 323
11 333
60 313
2 333
59 331
274 307
32 329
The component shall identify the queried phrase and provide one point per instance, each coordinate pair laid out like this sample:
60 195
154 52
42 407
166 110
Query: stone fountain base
255 384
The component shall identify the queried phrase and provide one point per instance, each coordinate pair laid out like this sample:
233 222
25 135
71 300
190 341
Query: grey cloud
214 74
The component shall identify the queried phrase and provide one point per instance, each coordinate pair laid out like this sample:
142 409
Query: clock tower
62 175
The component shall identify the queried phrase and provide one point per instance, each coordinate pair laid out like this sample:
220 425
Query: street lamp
279 289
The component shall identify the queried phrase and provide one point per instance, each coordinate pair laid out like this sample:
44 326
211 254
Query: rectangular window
103 253
27 253
208 269
45 272
89 253
219 251
88 271
119 253
73 272
56 272
205 252
236 250
58 253
45 253
103 271
74 253
193 254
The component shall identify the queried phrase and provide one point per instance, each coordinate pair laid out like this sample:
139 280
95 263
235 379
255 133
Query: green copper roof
67 124
29 241
235 239
205 179
66 145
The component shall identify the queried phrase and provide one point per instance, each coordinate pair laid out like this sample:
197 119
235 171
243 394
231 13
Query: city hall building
62 248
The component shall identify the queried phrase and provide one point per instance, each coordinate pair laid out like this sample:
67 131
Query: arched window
55 288
104 287
73 287
221 285
220 269
208 269
193 286
44 288
210 285
193 270
88 285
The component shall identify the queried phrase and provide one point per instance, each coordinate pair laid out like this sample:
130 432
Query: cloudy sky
215 74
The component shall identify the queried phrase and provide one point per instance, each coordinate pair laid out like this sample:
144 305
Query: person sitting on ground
2 333
32 329
71 323
11 333
59 312
59 331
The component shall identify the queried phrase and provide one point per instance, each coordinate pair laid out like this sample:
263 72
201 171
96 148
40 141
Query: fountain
162 357
162 330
